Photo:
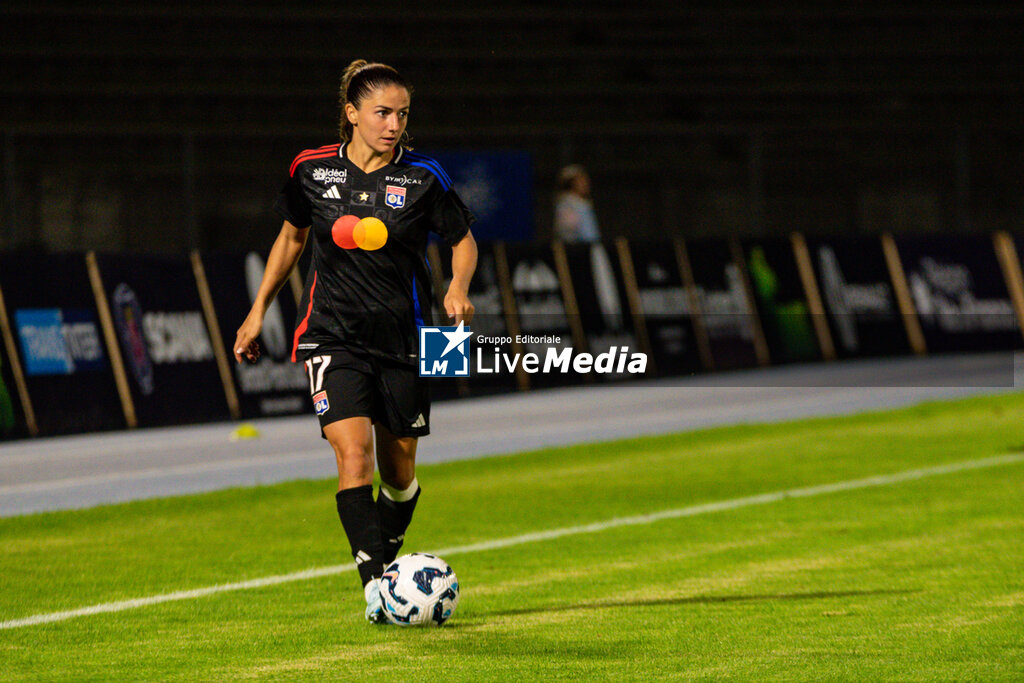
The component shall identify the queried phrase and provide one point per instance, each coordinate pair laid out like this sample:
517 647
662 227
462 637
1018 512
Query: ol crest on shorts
394 196
320 403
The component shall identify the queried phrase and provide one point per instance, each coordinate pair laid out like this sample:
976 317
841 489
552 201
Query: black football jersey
368 300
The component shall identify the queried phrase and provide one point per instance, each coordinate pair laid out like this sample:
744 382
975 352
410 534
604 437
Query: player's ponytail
360 79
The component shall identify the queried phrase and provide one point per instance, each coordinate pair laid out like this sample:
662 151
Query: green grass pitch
916 580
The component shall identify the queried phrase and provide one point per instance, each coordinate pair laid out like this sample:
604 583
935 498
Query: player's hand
458 306
246 347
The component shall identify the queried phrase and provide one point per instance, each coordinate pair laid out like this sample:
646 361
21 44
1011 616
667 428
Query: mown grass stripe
689 511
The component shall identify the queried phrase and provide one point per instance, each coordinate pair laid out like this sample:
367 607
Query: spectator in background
575 220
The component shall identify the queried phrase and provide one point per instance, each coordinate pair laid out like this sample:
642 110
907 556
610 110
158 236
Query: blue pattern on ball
424 578
400 618
441 614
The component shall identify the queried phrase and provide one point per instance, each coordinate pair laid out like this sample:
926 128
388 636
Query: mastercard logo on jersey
353 232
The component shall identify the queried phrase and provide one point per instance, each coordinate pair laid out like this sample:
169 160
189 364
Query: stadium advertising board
55 325
858 296
497 186
666 308
489 320
167 351
725 310
542 317
959 293
781 300
274 385
595 273
1017 246
12 423
1011 256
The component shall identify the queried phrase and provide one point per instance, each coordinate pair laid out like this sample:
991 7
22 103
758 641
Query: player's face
381 118
581 185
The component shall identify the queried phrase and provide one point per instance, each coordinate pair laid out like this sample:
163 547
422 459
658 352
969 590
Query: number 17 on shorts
316 368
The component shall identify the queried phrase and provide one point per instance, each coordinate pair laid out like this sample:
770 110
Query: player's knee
354 458
400 479
398 465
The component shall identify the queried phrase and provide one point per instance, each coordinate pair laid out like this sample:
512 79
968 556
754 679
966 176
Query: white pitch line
172 470
690 511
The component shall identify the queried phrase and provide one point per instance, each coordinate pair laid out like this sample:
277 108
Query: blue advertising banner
56 329
44 346
58 341
497 186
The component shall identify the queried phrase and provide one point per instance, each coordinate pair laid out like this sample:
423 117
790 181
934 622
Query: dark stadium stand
154 127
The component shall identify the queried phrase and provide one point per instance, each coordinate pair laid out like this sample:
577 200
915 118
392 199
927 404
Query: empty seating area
145 126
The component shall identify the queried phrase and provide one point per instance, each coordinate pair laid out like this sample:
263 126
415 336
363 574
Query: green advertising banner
780 300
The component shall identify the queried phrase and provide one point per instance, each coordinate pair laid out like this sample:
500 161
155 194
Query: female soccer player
371 203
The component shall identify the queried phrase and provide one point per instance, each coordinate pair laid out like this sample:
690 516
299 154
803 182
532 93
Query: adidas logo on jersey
420 422
332 193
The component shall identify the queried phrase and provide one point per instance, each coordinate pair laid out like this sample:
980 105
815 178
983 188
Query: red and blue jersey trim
304 325
431 165
319 153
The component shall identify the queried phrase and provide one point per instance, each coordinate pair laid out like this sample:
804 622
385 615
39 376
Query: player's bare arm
456 301
283 256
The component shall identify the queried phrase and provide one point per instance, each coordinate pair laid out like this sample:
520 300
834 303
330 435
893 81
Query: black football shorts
344 384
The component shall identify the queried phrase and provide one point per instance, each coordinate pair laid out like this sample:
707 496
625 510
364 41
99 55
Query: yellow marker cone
245 431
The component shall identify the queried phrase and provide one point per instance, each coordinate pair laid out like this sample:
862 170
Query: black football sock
359 517
395 508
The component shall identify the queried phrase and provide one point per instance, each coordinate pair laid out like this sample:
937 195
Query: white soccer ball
419 590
